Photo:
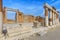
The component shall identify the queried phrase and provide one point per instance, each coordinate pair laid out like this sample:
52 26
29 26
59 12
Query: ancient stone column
17 19
57 18
53 18
17 16
1 16
50 17
4 15
46 16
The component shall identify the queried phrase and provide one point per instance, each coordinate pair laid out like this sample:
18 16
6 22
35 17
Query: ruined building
26 25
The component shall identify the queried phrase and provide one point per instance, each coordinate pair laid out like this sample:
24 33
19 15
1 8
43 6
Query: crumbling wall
31 18
20 17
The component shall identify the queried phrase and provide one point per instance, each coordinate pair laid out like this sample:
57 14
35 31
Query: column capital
46 11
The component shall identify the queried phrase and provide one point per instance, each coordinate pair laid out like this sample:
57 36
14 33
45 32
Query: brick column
50 17
1 16
46 16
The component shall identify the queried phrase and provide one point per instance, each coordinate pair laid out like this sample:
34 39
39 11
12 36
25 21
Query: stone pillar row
54 19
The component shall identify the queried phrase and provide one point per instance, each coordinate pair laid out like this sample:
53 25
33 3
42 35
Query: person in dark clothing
4 32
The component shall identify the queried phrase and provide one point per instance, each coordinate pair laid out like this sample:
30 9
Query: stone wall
29 18
20 17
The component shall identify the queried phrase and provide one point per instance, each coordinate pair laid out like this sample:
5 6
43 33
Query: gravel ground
53 34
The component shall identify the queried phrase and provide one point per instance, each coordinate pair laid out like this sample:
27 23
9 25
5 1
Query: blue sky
32 7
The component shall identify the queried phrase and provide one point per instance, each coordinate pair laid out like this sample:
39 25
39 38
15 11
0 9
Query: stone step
18 25
19 31
21 36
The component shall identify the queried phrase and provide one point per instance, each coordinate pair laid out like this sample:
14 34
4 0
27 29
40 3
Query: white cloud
58 9
56 3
